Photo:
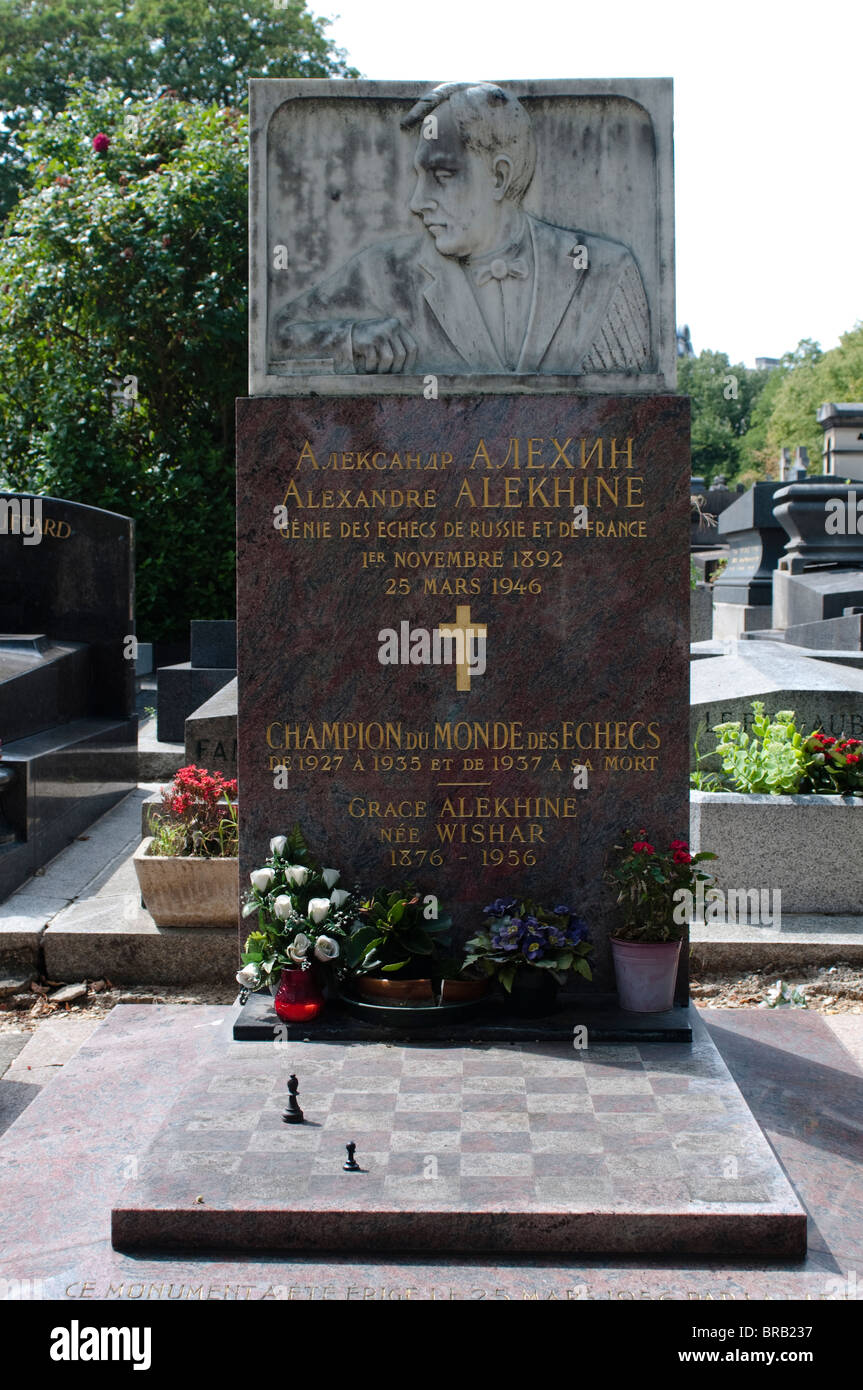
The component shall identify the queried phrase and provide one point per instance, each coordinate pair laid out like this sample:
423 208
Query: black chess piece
292 1114
351 1165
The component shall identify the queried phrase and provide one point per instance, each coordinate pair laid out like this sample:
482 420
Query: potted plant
187 867
396 949
304 923
646 947
531 950
772 791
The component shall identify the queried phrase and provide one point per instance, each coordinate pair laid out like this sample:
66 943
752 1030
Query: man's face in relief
455 192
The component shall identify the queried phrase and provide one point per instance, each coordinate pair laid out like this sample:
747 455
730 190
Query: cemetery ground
792 1039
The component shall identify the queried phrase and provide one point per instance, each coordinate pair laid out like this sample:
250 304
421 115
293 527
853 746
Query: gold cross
464 625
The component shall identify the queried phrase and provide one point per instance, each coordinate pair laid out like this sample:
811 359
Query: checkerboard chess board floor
490 1145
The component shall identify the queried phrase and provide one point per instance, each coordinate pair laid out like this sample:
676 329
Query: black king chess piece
350 1165
292 1114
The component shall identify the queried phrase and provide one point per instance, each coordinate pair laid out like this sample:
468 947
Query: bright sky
768 100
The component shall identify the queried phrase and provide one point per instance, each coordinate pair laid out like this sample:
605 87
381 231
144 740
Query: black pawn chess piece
292 1114
350 1165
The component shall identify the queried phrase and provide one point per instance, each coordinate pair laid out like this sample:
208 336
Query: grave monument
67 663
463 487
463 540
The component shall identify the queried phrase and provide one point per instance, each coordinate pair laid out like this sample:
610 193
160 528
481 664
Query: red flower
828 741
642 847
853 758
679 844
682 857
101 143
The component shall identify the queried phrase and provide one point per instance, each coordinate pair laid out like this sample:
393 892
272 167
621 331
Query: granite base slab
257 1022
534 1147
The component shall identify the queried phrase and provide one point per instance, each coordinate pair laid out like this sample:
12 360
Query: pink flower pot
645 972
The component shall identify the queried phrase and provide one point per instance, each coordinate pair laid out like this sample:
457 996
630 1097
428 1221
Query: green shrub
123 303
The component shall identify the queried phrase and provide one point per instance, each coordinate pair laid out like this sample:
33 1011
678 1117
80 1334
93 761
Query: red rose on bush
682 856
101 143
642 847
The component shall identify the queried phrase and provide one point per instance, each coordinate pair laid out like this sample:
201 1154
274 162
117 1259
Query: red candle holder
298 998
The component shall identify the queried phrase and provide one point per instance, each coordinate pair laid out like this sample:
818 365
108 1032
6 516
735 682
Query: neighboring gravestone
742 594
843 634
822 695
182 688
462 582
820 574
213 643
67 660
713 501
211 732
701 612
843 439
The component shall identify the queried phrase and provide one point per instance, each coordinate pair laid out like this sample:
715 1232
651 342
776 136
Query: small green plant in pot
397 948
531 950
648 884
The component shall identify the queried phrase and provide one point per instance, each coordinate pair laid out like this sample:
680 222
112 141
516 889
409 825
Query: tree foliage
723 398
123 300
809 378
203 50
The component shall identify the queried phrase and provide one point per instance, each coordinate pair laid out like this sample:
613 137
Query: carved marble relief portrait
502 233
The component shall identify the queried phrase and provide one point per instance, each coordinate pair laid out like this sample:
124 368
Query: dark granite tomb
185 686
66 677
756 541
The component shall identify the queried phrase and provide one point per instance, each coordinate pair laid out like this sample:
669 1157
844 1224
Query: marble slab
537 1148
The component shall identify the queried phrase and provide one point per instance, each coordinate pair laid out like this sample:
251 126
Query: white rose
261 879
330 877
326 948
249 977
318 909
339 896
298 948
277 844
296 874
283 907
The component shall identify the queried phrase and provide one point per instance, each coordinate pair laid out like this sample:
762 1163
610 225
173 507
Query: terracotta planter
180 891
645 973
459 991
395 991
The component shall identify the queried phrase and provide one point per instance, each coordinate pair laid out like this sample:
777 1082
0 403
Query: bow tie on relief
500 268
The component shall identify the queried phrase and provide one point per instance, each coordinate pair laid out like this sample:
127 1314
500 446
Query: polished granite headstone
75 584
404 519
67 665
